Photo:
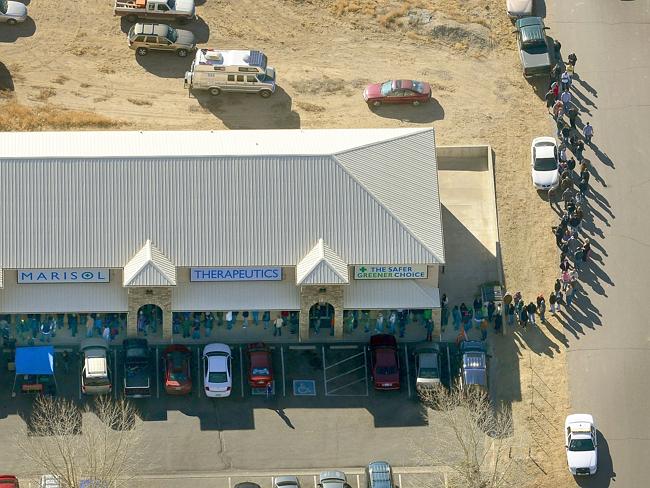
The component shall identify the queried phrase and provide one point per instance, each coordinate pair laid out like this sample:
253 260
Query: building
311 221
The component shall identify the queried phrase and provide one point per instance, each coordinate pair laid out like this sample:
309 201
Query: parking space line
449 366
399 476
115 376
157 375
315 482
344 360
198 372
229 482
324 371
408 373
344 386
346 373
79 376
365 363
272 480
284 379
241 370
358 482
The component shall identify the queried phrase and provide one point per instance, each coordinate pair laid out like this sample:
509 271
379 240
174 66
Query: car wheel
376 103
416 103
11 22
265 93
215 92
182 53
132 18
142 51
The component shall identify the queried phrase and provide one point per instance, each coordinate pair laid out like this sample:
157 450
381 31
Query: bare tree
477 453
101 444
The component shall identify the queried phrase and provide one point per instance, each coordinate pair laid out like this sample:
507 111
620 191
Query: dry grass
310 107
17 117
60 80
44 94
85 85
106 69
389 17
139 102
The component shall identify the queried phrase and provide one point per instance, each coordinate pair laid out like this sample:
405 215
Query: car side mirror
546 28
346 486
514 31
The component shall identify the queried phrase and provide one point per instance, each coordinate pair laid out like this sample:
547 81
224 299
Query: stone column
160 296
313 294
436 315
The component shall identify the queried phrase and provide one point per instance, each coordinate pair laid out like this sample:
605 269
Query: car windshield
171 4
136 352
178 375
172 34
260 371
428 373
418 86
218 377
545 164
581 445
4 6
386 370
89 381
386 88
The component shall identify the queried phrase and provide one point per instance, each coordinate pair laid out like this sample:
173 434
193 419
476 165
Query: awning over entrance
389 294
62 297
259 295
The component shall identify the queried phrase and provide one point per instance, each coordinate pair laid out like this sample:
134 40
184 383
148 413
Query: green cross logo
363 269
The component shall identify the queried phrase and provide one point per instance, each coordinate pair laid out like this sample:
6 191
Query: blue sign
236 274
304 387
82 275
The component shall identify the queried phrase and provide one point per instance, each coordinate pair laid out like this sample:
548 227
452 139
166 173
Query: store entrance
150 319
321 315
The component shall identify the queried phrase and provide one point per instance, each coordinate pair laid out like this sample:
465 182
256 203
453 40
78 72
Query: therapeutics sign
83 275
389 272
236 274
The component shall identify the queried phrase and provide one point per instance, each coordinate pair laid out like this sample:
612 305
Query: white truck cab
231 71
581 444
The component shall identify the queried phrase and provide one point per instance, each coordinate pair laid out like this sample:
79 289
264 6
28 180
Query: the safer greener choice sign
390 272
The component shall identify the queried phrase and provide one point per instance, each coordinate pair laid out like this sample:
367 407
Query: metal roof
222 198
149 267
322 266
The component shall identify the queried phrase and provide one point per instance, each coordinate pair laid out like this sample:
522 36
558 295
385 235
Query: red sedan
260 374
178 380
385 363
397 91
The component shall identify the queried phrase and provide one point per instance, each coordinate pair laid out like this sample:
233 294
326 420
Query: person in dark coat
531 308
523 317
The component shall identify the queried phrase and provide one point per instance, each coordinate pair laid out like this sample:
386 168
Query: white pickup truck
181 10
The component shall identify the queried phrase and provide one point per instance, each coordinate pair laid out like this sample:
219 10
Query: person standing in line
559 301
570 292
551 300
256 317
566 133
379 323
229 320
277 329
565 80
572 59
573 116
588 132
462 336
498 319
444 303
429 327
550 101
392 323
484 329
455 316
531 309
558 111
490 310
552 195
541 308
583 187
584 174
511 315
556 72
565 97
523 317
244 324
106 333
266 319
586 248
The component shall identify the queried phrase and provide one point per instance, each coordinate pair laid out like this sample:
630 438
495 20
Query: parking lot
324 412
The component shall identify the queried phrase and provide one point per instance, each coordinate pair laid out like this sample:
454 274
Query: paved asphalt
609 335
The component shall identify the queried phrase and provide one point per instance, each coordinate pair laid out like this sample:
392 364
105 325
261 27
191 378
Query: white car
12 12
581 444
217 370
519 8
544 163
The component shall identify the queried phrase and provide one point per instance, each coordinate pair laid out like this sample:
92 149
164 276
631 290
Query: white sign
73 275
390 272
236 274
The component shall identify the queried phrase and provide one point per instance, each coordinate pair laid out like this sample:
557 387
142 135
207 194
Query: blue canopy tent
35 365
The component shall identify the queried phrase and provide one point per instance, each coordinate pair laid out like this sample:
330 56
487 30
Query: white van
231 71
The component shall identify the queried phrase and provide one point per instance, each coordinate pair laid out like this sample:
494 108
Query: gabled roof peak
149 267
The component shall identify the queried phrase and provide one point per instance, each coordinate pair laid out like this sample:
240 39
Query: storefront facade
321 228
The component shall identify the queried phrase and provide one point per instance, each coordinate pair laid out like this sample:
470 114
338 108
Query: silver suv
160 37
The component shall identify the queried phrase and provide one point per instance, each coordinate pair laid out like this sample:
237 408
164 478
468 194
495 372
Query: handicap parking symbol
304 387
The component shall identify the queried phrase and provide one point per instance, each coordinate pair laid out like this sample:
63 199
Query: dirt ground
71 58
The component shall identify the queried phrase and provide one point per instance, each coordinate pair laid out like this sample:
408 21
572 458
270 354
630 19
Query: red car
385 363
178 380
260 374
397 91
8 481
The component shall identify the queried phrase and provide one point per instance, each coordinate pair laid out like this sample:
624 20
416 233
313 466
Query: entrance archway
321 315
150 319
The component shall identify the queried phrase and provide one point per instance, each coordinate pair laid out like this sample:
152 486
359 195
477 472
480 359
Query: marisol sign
236 274
390 272
82 275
